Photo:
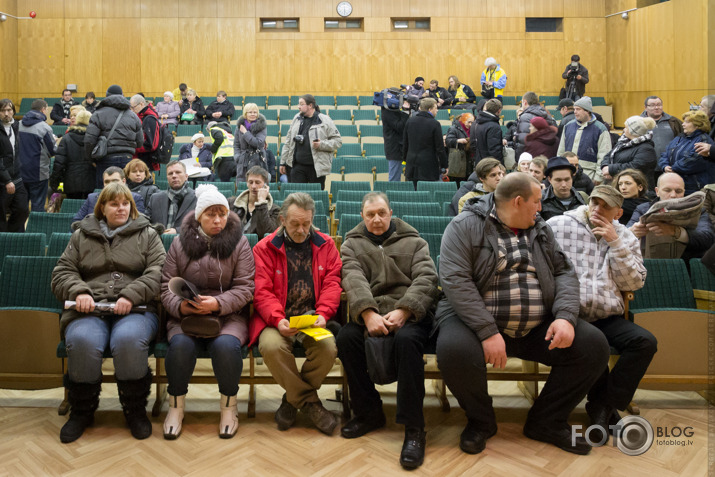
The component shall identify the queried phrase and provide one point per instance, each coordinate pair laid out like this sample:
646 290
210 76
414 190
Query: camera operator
576 76
310 143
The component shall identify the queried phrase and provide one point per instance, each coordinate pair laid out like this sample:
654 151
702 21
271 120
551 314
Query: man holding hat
588 138
608 261
126 138
560 196
578 74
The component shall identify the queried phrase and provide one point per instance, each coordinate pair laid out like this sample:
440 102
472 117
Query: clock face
344 9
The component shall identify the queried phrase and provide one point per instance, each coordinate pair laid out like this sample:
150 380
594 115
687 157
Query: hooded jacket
552 206
486 137
205 156
145 188
9 155
604 269
197 105
330 141
37 145
271 294
128 266
397 274
223 269
542 142
264 219
128 135
469 258
72 166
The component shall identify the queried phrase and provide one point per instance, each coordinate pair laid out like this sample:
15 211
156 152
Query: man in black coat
221 110
393 127
486 135
444 99
61 110
13 196
423 145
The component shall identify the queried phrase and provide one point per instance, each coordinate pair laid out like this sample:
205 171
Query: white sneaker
174 418
229 417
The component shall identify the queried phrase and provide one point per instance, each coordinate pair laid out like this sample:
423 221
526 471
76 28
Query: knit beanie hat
211 124
539 123
196 136
168 93
585 103
490 62
114 89
206 196
525 157
637 126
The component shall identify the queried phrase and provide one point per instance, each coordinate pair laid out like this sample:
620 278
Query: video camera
394 98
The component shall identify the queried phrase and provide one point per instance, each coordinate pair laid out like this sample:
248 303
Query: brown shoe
323 419
285 415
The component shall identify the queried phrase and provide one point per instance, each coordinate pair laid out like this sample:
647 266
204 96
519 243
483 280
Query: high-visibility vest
226 147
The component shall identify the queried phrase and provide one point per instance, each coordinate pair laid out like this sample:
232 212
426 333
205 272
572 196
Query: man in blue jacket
37 145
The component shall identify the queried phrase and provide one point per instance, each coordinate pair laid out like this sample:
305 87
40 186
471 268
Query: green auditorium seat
337 186
325 100
402 209
435 242
351 195
370 130
433 186
346 101
259 100
385 186
409 196
167 239
441 196
299 187
350 150
25 284
347 130
341 115
428 224
71 206
365 100
28 244
374 149
346 207
187 129
223 187
252 239
278 102
347 223
43 222
269 114
365 116
703 281
58 243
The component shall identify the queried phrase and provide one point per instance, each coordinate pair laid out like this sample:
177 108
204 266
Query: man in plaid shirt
510 290
608 260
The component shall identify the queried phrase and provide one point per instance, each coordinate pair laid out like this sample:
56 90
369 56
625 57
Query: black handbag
201 326
380 354
100 149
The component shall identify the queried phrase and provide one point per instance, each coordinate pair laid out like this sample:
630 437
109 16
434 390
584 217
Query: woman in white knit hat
634 150
198 148
168 110
212 253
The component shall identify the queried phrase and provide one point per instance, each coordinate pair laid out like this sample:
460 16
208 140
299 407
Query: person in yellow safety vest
493 80
224 165
461 93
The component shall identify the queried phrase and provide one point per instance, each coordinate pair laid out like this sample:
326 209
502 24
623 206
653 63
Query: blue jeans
226 359
128 338
395 171
38 194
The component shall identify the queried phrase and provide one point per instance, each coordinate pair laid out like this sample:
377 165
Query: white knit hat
490 62
196 136
168 93
206 196
525 156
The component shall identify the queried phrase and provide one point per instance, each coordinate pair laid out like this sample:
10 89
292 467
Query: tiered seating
58 243
28 244
42 222
71 206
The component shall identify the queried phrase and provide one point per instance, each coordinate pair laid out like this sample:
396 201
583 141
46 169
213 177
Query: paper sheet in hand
184 289
305 324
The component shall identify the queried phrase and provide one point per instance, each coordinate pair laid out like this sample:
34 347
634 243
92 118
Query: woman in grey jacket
212 253
250 141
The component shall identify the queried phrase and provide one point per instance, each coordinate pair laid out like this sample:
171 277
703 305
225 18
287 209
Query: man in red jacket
150 127
297 272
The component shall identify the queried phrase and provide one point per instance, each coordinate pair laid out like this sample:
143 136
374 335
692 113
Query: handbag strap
115 124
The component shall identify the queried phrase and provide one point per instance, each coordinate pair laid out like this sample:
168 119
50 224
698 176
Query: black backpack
162 155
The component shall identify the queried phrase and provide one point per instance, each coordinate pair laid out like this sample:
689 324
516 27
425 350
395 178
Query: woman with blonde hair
250 141
680 155
72 167
192 109
115 256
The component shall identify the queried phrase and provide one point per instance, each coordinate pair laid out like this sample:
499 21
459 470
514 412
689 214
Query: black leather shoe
601 415
560 437
361 425
413 449
474 440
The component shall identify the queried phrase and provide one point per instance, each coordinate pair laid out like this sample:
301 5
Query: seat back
667 285
25 283
58 243
71 206
428 224
28 244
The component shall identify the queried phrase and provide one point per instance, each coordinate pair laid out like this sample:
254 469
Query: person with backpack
150 130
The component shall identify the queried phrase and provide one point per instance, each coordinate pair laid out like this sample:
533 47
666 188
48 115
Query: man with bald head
524 302
696 240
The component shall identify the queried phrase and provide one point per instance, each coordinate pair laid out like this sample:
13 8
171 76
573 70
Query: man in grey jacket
524 303
126 138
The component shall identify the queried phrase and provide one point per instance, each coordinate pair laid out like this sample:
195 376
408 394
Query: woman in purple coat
212 253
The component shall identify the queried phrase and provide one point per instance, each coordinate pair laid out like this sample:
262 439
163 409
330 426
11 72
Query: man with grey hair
391 285
126 138
150 128
511 291
297 273
169 207
667 127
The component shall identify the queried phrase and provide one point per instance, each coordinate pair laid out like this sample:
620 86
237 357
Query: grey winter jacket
127 137
330 141
468 262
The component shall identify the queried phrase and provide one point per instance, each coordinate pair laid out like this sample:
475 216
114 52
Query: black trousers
460 358
305 174
17 206
410 342
636 347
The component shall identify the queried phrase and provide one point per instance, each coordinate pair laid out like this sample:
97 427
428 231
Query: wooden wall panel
585 8
8 53
40 56
45 9
276 60
467 9
353 72
123 9
276 8
83 8
543 8
247 72
613 6
121 54
690 22
159 8
200 55
586 37
159 55
234 9
83 58
197 9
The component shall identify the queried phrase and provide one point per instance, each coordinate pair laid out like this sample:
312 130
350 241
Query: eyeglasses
654 106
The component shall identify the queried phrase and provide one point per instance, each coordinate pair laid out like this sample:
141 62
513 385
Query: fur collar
258 126
222 245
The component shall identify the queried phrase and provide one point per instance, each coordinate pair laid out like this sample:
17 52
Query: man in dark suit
169 207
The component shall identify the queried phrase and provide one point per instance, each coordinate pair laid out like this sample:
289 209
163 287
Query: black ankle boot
84 400
133 396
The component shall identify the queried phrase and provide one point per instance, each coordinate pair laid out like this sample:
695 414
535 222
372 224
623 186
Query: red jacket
271 281
150 126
